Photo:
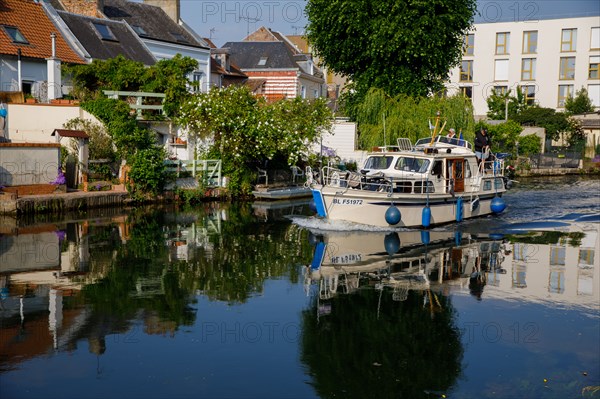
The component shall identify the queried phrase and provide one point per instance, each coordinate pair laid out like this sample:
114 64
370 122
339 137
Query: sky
232 20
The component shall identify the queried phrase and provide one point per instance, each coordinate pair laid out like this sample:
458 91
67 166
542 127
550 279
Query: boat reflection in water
388 312
403 261
395 332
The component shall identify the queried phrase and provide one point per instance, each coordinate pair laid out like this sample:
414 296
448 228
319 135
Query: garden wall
24 164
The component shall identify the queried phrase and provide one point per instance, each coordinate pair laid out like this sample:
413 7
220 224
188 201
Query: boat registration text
346 201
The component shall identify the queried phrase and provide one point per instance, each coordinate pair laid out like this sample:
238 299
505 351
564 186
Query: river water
263 301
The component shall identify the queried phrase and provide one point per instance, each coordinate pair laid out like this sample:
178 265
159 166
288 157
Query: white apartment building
549 59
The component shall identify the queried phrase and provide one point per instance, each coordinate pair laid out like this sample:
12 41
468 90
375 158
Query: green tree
170 77
148 170
580 104
166 76
530 145
100 144
409 117
498 103
400 46
554 122
246 130
504 136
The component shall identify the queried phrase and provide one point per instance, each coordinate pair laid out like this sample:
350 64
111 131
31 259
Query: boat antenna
384 140
437 121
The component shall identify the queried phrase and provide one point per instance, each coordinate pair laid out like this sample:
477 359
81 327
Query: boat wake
319 224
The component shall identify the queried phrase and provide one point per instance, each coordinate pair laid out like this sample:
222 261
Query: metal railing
139 96
208 170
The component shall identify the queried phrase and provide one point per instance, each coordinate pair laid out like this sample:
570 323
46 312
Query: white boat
436 181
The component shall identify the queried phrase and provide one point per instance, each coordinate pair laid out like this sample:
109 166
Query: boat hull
369 208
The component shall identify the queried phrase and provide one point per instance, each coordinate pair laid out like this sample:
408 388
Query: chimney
88 8
53 70
171 7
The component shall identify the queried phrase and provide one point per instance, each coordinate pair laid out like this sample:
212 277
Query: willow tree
383 119
401 46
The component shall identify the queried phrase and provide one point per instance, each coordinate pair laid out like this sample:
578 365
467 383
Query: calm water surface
247 301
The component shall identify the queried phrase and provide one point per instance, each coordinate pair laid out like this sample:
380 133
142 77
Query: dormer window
104 32
139 30
263 61
15 34
179 37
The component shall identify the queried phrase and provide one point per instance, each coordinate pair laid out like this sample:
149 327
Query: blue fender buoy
3 113
392 215
312 206
498 205
459 209
426 216
425 237
391 242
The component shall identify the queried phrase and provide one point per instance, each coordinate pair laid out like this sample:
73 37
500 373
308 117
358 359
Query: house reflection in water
41 266
556 266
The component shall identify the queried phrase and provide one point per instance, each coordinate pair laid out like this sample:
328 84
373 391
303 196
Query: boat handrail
454 141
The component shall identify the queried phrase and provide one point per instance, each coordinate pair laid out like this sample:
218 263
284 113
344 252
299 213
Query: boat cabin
442 164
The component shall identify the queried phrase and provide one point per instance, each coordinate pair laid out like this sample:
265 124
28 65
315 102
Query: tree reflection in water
372 346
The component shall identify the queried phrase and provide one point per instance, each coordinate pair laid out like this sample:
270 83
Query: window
595 39
528 69
466 71
564 91
593 69
558 256
529 93
104 32
568 41
502 43
262 61
197 81
501 70
179 37
417 165
139 30
586 257
530 42
469 44
567 68
467 91
594 94
500 90
303 91
15 34
376 162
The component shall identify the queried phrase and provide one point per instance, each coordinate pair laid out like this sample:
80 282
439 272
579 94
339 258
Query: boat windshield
412 164
378 162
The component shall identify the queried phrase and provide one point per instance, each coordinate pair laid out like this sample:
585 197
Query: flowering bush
60 178
246 130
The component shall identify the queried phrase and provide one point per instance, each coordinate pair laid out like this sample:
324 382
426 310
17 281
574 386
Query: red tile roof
70 133
35 25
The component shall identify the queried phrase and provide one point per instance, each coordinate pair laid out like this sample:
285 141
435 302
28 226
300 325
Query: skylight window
179 37
139 30
104 32
263 61
15 34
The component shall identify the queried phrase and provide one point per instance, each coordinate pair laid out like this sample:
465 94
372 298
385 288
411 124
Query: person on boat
482 145
451 133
